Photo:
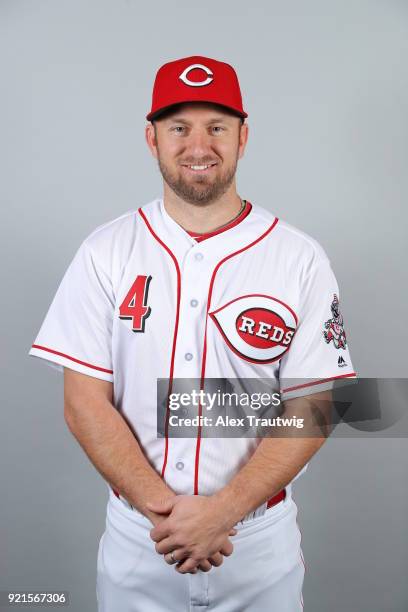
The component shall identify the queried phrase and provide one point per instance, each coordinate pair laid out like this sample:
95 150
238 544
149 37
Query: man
197 284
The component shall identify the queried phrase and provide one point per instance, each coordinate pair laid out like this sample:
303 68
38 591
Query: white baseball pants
264 573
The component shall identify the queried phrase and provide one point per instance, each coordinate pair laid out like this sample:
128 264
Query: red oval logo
257 327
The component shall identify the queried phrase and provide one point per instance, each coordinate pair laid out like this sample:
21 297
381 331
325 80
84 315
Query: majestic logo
259 328
183 76
334 330
341 362
134 307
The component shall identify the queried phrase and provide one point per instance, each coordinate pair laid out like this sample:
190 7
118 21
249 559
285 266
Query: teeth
204 167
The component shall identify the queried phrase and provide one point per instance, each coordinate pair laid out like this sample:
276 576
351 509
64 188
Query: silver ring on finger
172 557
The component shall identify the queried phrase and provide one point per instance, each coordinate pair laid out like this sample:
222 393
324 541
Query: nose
198 144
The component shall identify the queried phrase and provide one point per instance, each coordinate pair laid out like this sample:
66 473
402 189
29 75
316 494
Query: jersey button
194 303
188 356
198 256
180 465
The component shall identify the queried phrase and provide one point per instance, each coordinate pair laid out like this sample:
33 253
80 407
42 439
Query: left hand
196 529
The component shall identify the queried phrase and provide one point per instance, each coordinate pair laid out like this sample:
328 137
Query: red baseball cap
196 79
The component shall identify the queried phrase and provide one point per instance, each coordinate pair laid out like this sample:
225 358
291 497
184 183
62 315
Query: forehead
198 111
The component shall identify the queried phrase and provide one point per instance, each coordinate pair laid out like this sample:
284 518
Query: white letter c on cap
186 80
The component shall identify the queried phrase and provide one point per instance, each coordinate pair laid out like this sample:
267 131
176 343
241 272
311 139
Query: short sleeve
319 355
77 330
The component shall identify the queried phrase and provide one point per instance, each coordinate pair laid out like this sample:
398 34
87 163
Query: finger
160 531
173 557
168 559
227 549
216 560
166 546
233 532
187 566
205 566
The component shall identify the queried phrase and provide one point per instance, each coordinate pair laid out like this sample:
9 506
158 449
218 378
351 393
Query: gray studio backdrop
325 86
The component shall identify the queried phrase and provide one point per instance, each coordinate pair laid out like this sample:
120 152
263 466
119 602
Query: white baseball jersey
143 300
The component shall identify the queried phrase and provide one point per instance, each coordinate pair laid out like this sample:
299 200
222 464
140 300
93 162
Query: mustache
202 162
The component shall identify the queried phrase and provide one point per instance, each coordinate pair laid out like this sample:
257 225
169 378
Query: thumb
164 506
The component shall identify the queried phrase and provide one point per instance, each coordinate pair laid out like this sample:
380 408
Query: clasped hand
194 534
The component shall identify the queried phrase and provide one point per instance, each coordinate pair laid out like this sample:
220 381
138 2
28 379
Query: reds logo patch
258 328
334 330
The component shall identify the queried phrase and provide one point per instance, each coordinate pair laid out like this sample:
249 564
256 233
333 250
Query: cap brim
160 111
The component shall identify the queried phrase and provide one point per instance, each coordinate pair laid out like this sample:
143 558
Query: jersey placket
196 270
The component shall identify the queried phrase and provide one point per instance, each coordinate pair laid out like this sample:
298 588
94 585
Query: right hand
205 566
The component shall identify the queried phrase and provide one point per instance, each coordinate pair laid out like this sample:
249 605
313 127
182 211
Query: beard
201 189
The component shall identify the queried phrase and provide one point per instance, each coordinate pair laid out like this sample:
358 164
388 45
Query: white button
194 303
199 256
180 465
188 356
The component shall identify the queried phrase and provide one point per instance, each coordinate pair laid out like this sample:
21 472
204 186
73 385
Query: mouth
199 169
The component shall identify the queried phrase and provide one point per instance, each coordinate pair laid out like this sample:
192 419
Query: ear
150 136
243 139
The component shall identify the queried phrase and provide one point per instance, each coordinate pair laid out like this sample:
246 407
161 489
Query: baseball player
196 284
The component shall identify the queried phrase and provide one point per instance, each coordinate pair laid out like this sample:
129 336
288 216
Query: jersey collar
178 240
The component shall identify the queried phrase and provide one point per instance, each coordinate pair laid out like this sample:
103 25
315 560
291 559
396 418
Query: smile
195 168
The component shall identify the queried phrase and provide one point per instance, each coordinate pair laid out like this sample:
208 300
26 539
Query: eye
217 129
178 129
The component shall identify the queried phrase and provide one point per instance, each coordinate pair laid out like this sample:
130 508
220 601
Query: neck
202 218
